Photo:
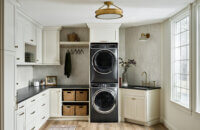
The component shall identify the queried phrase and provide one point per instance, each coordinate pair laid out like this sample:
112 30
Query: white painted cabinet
51 48
29 32
9 90
39 45
21 117
21 121
55 102
19 38
140 106
104 32
9 26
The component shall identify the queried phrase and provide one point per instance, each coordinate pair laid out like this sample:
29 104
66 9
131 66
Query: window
180 61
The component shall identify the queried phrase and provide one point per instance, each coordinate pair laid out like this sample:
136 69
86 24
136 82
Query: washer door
103 61
104 101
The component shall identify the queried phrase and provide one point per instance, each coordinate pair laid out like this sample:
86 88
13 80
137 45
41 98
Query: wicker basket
68 110
69 95
81 95
81 110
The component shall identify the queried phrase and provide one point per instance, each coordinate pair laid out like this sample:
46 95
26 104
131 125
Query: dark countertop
28 92
140 87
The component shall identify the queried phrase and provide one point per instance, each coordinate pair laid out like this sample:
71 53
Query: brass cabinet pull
21 114
16 46
43 104
33 128
33 100
133 98
21 107
43 117
33 113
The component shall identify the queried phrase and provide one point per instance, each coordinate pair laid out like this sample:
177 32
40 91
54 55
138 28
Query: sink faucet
145 82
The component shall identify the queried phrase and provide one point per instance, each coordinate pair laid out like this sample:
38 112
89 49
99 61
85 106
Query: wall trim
167 124
1 64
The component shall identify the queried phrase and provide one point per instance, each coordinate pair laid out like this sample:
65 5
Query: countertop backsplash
79 73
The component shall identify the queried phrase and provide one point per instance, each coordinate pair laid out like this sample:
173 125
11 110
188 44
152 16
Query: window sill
182 108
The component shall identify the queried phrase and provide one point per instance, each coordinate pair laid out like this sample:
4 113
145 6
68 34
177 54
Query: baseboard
150 123
168 124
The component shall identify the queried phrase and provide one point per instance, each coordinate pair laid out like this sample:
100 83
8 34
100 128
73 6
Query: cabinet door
140 109
9 90
20 121
9 24
103 35
51 44
129 107
29 32
134 108
39 45
19 39
55 102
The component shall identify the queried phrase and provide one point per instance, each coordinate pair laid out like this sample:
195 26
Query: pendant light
109 13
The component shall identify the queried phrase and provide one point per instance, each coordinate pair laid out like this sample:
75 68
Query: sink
141 87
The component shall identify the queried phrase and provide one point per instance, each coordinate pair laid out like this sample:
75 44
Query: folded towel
68 65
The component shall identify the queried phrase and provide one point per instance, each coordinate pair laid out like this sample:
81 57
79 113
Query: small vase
125 79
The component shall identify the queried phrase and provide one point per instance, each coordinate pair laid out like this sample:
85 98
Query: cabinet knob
16 46
31 40
18 58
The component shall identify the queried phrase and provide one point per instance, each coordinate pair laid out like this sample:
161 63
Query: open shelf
75 101
74 44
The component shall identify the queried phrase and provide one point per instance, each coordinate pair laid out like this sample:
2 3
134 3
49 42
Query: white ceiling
79 12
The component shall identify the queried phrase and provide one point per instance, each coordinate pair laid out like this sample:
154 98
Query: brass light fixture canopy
109 13
144 36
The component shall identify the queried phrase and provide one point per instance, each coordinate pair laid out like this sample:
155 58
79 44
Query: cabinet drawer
21 106
32 101
31 125
31 113
134 92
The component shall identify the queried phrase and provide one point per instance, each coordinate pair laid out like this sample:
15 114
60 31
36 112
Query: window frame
174 20
197 94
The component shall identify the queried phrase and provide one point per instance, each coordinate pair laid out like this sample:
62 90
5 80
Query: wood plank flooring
84 125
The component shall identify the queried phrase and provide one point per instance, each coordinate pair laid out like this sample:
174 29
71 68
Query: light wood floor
84 125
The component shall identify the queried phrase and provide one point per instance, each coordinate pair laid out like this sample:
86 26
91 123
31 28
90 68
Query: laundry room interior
100 65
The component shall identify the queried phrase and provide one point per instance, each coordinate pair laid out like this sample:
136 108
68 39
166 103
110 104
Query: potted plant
126 65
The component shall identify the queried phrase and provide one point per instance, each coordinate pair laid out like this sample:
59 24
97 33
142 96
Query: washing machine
104 102
104 62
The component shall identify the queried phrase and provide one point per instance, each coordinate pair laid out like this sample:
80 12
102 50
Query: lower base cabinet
33 112
20 120
55 102
140 106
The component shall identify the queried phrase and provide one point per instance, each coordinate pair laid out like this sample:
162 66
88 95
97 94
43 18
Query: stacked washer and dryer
104 82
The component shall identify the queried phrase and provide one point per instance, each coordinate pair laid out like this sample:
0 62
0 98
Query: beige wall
80 69
147 54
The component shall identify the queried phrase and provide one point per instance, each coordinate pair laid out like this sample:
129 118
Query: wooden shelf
74 44
75 101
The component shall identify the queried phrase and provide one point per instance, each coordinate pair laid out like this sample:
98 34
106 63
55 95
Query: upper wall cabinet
51 48
9 26
29 32
104 32
28 40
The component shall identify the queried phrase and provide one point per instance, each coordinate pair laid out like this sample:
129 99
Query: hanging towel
68 65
